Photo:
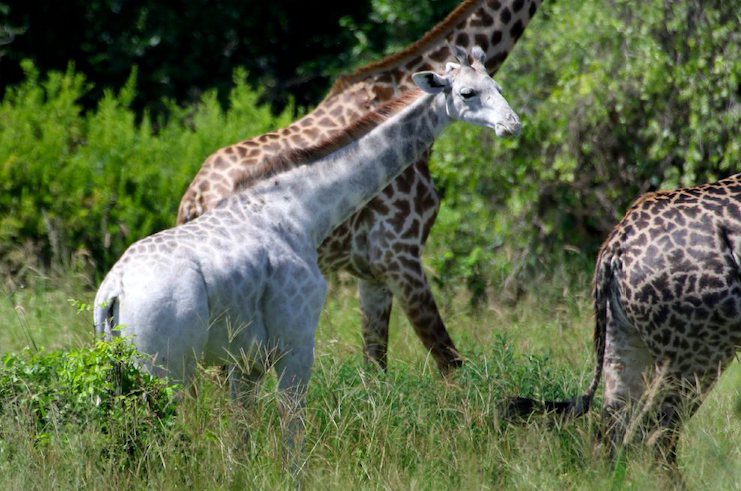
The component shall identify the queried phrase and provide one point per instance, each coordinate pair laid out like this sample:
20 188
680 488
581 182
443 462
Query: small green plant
99 386
80 306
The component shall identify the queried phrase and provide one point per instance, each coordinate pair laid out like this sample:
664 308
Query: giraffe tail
578 405
105 310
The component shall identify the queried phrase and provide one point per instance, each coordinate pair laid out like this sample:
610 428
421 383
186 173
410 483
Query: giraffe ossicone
241 282
382 243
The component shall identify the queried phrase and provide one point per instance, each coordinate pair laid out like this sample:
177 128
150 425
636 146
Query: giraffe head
471 95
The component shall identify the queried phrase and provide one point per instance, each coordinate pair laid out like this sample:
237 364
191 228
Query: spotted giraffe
242 280
381 245
667 294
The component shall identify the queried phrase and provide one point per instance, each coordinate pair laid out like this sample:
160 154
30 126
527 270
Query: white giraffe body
242 280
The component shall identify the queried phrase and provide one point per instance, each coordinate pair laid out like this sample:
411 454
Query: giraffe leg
415 298
679 402
291 316
375 304
628 362
244 387
675 405
293 367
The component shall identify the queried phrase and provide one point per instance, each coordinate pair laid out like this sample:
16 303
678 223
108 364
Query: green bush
98 387
84 186
617 98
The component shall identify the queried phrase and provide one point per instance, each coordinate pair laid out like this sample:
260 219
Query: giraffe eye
467 93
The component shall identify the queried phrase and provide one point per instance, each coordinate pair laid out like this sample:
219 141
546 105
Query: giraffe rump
290 159
667 296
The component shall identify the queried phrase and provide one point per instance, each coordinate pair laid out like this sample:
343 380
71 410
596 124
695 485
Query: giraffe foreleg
244 388
293 302
293 367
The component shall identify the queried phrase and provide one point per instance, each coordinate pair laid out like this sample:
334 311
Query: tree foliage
184 47
617 98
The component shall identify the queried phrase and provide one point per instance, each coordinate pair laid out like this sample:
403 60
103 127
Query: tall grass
405 429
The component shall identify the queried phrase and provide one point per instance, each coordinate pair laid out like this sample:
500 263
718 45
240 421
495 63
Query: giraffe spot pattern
505 16
462 39
485 27
672 260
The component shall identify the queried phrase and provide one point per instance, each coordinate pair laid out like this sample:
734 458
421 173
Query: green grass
406 429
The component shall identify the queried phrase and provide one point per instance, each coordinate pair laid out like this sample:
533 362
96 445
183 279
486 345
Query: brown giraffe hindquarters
382 244
668 310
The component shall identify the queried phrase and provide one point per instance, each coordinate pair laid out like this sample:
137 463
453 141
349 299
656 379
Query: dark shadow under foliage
183 47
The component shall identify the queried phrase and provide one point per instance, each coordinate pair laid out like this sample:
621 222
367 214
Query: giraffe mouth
503 130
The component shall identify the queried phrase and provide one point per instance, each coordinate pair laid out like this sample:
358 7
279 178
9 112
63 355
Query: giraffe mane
431 37
290 159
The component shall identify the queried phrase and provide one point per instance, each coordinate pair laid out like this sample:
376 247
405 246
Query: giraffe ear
430 82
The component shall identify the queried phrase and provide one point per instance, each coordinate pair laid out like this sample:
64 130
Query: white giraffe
242 280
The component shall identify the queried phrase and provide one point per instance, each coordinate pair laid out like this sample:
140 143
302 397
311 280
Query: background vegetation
184 47
617 99
102 128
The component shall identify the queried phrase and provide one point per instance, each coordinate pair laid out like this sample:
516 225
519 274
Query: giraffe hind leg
627 364
678 403
413 292
375 304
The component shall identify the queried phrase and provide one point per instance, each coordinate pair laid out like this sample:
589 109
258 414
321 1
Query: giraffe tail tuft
105 310
578 405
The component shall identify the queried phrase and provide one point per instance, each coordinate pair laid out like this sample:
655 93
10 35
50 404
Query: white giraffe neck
323 193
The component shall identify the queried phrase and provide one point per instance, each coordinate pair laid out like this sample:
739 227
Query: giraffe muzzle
510 127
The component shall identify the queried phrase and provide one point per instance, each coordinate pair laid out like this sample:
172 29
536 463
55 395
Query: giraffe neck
494 25
321 194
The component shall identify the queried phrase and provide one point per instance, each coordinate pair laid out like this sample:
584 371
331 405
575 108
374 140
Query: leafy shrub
98 386
617 98
85 186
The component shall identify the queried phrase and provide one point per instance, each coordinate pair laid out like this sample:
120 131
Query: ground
407 429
